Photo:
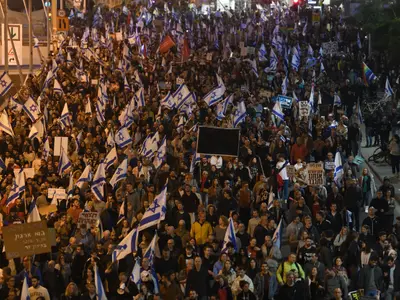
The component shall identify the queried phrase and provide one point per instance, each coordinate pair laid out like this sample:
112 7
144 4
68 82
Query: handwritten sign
56 193
26 239
315 174
304 109
88 219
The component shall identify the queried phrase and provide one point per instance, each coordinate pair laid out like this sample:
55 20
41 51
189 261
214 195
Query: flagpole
30 36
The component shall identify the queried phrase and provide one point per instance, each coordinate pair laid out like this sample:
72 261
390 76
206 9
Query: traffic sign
61 13
62 24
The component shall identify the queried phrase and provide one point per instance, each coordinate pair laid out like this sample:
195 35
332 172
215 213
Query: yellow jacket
287 266
200 232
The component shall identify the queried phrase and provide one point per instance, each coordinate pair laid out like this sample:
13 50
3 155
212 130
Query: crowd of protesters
326 247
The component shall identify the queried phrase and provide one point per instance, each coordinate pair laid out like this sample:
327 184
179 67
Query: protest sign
29 172
286 102
304 109
60 141
26 239
57 193
88 218
48 209
290 171
315 174
251 50
330 48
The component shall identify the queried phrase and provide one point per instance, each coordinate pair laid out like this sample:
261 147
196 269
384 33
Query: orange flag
166 44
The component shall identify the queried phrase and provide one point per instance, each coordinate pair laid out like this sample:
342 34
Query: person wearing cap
370 280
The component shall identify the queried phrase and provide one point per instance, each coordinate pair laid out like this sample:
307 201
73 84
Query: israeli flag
195 160
85 177
156 212
295 96
65 118
2 165
276 238
338 173
359 113
230 237
139 97
150 145
64 164
295 59
111 158
240 114
122 137
135 276
88 107
336 100
215 95
33 213
57 89
284 87
262 52
98 182
31 109
101 295
271 197
310 51
253 65
111 139
17 188
181 95
48 79
127 246
150 251
277 111
168 101
322 68
5 84
388 88
161 154
25 295
273 62
37 129
120 173
46 149
311 99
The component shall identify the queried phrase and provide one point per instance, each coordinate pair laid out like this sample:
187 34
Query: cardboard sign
26 239
304 109
48 209
88 219
60 141
315 174
56 193
290 170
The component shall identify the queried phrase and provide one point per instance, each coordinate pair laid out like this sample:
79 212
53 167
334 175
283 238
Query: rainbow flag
368 75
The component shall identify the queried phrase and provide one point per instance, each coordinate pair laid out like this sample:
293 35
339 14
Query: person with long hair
340 269
394 148
228 272
71 292
315 284
221 288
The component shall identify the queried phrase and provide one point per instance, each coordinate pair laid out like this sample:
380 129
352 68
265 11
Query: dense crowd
114 88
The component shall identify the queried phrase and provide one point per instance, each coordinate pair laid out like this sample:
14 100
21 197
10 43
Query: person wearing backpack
285 268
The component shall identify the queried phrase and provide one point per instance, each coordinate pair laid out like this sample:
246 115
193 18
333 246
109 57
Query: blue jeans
368 136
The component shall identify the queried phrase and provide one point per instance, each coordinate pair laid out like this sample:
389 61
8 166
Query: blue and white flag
150 145
149 253
111 139
31 109
311 99
240 114
273 62
181 95
276 238
271 196
127 246
359 41
168 101
230 237
135 276
388 88
99 180
322 68
5 84
161 154
336 100
262 52
305 28
38 129
139 97
48 79
215 95
111 158
33 213
88 107
64 163
65 118
2 165
285 84
17 188
295 96
277 111
46 149
122 137
359 113
338 173
195 160
120 173
57 89
85 177
310 51
253 65
295 59
100 107
101 295
156 212
25 295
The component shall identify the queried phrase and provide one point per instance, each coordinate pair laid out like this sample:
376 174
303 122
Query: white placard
88 218
56 193
304 109
243 51
60 141
209 56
